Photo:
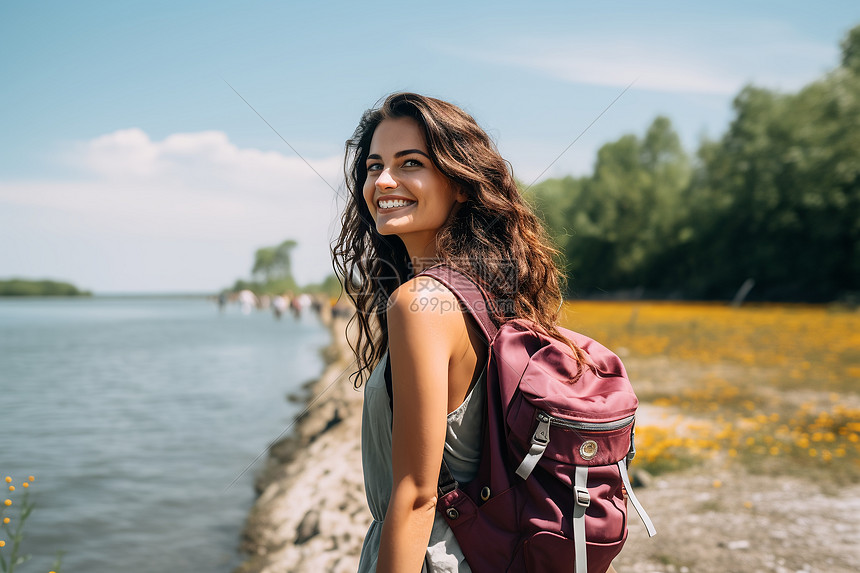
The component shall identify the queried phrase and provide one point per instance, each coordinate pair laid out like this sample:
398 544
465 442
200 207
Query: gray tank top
462 454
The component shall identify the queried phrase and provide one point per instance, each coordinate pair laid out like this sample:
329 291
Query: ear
460 196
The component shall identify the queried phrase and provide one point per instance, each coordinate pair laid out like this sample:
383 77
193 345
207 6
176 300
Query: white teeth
389 203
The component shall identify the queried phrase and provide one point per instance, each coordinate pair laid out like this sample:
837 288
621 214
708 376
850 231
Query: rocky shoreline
311 513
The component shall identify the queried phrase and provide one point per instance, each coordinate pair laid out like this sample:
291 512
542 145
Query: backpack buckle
581 496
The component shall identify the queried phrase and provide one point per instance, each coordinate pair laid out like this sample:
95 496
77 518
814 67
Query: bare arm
421 342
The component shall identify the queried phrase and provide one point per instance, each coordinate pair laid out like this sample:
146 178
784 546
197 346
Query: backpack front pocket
547 552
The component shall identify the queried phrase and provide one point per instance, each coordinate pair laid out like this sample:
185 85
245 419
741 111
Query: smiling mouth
386 205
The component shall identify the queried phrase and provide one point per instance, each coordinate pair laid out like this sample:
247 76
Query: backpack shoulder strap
468 292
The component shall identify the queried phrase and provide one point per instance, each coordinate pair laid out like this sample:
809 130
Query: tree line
27 287
776 199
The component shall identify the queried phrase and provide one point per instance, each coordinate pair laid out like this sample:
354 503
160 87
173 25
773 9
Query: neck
422 254
421 263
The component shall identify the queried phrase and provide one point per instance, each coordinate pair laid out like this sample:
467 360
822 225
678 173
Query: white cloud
202 160
618 65
187 189
718 59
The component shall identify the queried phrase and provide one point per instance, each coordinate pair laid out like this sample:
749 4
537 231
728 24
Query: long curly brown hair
494 237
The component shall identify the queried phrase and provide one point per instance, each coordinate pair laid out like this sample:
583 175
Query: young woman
426 185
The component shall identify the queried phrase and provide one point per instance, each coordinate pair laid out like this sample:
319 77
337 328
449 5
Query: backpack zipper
546 420
540 439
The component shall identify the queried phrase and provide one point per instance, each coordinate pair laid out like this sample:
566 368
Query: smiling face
405 192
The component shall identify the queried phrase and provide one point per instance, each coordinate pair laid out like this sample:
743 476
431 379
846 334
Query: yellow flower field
775 387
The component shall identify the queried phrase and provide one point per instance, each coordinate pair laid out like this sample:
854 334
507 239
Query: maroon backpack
548 494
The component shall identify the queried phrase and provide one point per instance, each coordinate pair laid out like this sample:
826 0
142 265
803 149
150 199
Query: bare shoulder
424 301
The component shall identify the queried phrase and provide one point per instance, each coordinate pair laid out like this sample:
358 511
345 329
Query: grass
773 387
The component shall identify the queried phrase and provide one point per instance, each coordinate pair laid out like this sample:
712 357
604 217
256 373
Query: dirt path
719 518
716 520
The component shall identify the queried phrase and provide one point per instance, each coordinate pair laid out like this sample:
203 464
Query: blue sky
127 164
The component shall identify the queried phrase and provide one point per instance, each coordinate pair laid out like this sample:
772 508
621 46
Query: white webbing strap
581 501
540 439
622 465
530 461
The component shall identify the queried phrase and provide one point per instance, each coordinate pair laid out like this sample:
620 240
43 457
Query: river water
136 415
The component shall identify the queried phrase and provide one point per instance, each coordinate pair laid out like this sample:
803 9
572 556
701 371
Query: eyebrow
400 154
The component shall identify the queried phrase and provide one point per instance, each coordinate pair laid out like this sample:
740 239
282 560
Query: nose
385 180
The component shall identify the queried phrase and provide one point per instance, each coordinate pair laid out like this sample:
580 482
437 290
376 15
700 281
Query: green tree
553 201
778 198
851 51
613 225
274 263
